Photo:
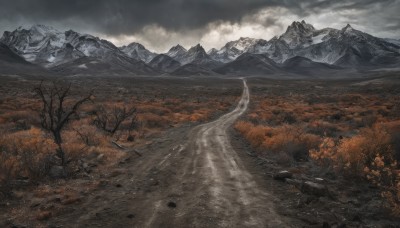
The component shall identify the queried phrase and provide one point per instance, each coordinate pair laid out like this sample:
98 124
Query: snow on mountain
51 48
328 46
242 44
176 52
11 63
92 46
260 46
40 44
198 56
73 52
320 45
194 53
233 49
212 51
297 34
351 47
138 51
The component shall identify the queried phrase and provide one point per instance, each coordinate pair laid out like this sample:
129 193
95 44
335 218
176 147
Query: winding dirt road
233 194
193 179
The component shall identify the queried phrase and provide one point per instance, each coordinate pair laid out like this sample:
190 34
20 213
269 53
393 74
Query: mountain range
301 49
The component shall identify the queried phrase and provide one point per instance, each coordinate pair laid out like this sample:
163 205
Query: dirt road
193 179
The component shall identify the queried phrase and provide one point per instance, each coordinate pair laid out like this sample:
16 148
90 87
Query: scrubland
347 130
28 151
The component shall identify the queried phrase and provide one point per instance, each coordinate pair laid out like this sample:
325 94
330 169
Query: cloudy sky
160 24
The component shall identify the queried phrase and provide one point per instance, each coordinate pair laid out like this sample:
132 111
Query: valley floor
193 175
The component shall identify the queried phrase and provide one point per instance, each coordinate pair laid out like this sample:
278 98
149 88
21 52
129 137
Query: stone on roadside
316 189
282 175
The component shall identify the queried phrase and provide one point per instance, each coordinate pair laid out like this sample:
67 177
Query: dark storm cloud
129 16
161 23
125 16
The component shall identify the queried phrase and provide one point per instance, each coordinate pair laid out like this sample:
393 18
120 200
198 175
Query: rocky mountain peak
178 47
44 30
177 50
348 28
300 27
136 46
138 51
198 49
212 51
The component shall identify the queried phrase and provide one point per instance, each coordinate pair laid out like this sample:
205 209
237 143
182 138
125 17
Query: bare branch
53 115
110 122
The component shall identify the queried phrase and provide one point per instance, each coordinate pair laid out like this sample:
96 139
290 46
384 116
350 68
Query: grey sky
159 24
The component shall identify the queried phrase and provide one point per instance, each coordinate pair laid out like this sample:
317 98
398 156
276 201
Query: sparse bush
255 135
25 154
55 114
110 119
367 155
289 140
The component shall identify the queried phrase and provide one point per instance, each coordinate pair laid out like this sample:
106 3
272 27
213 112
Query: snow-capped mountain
330 46
350 47
51 48
194 53
138 51
345 47
11 63
74 53
176 52
233 49
298 34
41 44
198 56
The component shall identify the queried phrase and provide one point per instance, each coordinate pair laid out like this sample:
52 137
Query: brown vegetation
351 131
32 126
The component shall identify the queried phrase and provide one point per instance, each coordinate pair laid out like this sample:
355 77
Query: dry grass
27 151
351 130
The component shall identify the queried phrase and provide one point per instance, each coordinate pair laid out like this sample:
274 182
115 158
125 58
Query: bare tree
110 121
54 115
133 125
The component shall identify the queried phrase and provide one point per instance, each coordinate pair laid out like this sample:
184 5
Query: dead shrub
88 135
111 119
25 154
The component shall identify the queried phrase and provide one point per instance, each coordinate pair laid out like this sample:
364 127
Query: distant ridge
301 49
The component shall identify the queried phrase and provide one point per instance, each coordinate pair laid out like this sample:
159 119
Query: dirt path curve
193 179
233 194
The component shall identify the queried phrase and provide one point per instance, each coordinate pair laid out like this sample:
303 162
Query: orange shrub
351 155
367 155
288 139
255 135
25 153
